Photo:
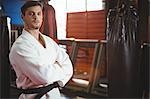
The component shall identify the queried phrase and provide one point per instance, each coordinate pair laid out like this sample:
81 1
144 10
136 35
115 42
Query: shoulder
22 45
51 43
22 41
49 39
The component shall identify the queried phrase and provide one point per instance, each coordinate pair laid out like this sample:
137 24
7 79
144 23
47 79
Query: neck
34 32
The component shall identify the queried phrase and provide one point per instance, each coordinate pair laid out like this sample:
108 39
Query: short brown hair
30 4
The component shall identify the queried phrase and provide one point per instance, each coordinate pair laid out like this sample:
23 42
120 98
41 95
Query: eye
39 13
30 13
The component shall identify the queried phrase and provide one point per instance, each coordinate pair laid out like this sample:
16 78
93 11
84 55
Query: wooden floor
66 94
72 94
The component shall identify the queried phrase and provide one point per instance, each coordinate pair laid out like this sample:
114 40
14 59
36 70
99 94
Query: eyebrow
34 11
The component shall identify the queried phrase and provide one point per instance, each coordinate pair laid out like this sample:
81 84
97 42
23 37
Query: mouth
36 22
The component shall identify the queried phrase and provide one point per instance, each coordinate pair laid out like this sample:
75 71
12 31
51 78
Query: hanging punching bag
123 52
49 26
4 60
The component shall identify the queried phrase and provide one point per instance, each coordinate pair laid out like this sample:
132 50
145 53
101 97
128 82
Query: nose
36 16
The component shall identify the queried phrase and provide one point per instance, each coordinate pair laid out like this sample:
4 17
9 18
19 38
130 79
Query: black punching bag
4 59
145 75
123 52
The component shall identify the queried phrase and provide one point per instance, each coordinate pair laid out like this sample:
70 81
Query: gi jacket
36 66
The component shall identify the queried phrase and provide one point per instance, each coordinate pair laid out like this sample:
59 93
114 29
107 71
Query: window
84 5
62 7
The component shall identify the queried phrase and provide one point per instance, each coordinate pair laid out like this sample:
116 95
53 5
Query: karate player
37 60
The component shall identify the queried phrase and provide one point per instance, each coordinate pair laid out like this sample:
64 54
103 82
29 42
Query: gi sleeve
25 57
65 64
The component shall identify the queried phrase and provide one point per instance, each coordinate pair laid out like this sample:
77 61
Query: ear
22 16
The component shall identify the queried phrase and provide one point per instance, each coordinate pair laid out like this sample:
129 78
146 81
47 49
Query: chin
37 27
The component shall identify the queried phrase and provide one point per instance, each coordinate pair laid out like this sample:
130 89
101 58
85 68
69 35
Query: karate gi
36 66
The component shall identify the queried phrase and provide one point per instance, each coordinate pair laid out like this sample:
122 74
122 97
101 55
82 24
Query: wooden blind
90 24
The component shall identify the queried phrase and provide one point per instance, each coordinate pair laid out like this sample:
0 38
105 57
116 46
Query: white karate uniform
36 66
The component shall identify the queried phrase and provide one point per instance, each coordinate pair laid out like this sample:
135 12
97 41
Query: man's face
33 17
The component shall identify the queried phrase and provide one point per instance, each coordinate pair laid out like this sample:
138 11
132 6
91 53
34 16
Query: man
37 60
